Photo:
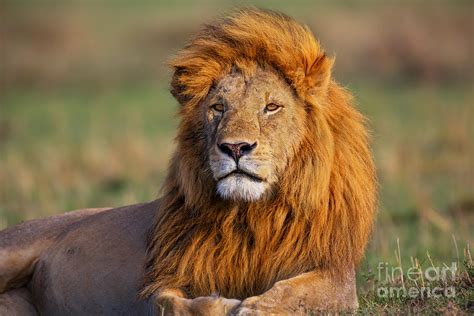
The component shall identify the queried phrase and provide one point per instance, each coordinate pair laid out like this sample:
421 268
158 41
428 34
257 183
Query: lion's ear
178 89
318 77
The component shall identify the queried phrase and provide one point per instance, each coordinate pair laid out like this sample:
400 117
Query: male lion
267 206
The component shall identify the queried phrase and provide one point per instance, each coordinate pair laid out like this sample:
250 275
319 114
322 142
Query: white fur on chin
239 187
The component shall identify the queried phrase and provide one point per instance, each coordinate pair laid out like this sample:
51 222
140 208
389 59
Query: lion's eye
218 107
272 107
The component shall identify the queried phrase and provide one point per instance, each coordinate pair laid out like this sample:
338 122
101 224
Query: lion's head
272 175
254 127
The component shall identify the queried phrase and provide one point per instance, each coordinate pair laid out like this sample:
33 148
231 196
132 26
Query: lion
267 207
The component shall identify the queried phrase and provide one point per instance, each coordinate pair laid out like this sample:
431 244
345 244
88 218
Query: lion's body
297 204
92 266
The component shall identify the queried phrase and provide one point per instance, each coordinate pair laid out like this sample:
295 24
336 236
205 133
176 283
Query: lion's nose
237 150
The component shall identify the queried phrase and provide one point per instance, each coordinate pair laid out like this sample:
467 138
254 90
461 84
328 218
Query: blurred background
86 119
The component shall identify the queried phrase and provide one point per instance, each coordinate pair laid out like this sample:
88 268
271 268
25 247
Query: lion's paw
244 311
256 306
248 307
211 305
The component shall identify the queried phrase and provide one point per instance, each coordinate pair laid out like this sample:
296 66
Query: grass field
95 128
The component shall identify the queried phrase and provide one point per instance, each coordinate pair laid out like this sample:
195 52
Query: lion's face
254 128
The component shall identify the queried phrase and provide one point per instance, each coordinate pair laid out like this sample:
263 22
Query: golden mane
322 213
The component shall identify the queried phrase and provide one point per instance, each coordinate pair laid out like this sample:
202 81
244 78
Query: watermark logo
432 282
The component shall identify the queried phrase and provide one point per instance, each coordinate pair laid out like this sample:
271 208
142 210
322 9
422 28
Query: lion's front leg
312 291
174 302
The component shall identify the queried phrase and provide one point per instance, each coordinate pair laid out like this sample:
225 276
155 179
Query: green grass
67 150
420 288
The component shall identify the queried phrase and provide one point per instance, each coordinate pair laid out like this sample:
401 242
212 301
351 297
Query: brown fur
322 213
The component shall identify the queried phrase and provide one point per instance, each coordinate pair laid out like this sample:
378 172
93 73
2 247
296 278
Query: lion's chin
241 188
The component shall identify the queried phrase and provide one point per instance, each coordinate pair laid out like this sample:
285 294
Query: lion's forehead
263 85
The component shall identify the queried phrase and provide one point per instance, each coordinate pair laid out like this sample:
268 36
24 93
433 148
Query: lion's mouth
244 174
